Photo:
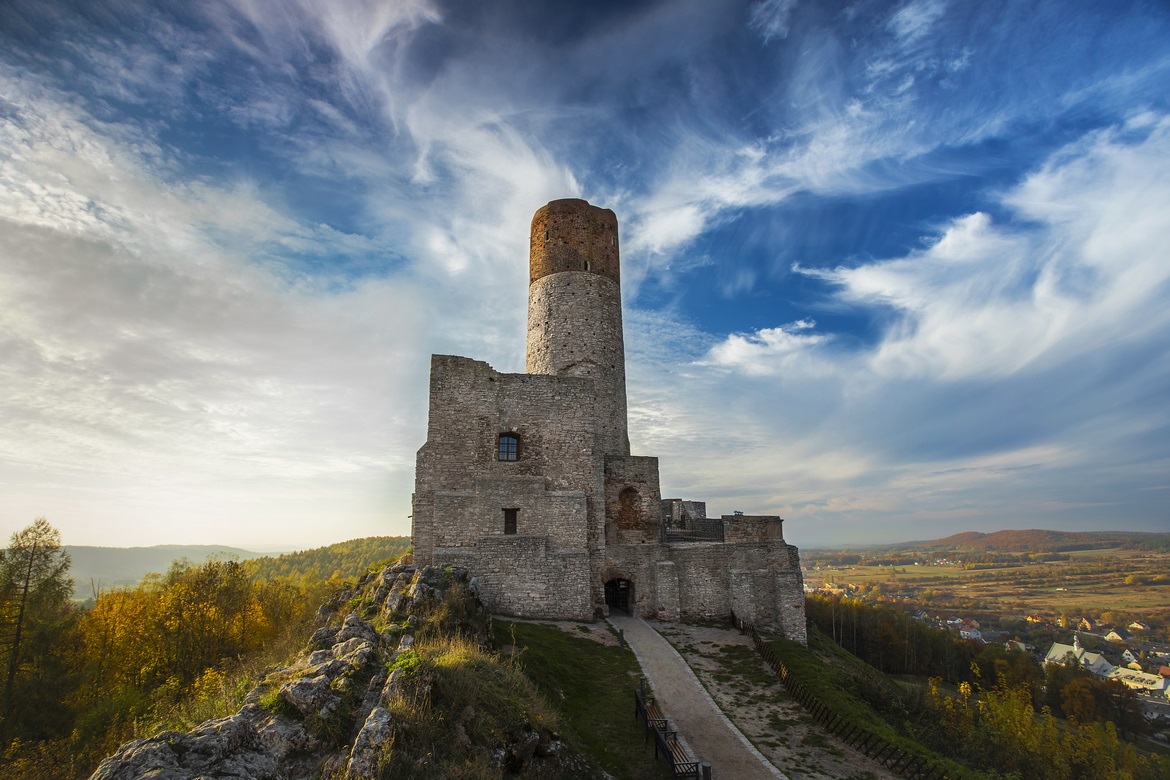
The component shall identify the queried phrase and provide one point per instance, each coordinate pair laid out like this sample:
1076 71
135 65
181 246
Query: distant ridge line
1029 540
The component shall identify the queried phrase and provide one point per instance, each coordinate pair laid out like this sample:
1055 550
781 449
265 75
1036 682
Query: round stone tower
575 308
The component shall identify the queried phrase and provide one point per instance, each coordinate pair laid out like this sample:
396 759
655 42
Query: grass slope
855 692
592 686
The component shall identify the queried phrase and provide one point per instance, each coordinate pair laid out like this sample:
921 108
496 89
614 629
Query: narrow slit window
510 521
509 447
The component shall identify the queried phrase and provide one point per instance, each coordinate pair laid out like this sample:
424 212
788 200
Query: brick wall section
632 501
761 582
753 528
666 593
572 235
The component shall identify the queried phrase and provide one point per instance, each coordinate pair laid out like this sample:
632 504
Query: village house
1140 681
1074 654
1020 646
1096 664
1118 635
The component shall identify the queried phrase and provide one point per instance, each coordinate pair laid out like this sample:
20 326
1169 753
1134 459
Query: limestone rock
369 745
353 627
224 748
327 714
311 696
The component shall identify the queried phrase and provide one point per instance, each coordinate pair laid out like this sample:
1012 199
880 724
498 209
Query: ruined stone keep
527 479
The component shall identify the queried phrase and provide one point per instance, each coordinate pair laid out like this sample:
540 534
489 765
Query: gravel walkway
701 725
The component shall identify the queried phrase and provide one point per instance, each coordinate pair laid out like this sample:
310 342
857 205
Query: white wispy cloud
1009 346
914 19
771 18
148 329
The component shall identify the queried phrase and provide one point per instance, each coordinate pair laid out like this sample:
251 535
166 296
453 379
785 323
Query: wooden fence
877 747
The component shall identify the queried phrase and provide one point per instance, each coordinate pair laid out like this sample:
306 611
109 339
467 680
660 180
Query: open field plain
1119 584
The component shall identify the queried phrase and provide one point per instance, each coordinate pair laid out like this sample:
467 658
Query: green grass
852 689
591 685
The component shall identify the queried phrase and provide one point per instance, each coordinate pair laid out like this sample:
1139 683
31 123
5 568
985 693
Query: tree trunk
12 658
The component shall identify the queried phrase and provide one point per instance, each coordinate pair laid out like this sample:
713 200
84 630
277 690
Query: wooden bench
682 763
648 713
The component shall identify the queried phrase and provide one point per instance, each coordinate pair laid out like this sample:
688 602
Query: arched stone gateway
619 594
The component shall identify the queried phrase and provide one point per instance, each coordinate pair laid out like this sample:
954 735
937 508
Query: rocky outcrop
331 714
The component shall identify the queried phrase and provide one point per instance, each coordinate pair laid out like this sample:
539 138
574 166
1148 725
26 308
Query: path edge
694 678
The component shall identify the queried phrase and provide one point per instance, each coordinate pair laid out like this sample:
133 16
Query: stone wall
575 308
471 404
524 576
575 329
753 528
469 515
556 484
761 582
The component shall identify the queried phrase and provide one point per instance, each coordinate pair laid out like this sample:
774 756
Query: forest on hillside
176 649
335 561
994 709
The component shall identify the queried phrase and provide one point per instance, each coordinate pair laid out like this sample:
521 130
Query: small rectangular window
510 520
509 448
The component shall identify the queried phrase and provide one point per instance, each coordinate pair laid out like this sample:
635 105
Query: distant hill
115 567
1029 541
1035 540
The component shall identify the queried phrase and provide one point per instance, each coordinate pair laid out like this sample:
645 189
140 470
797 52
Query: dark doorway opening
619 594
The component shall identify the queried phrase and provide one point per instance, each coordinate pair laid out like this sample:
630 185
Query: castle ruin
527 479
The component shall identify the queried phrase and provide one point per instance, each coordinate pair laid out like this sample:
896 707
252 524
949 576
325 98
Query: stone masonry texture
545 532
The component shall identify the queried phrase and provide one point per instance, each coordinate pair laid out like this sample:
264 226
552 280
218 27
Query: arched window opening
509 449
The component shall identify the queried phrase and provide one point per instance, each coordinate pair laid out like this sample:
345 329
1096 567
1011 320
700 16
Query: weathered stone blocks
546 531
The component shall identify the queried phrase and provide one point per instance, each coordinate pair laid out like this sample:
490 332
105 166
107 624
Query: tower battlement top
573 235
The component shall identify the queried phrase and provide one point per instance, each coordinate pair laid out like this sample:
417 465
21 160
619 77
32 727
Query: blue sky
891 270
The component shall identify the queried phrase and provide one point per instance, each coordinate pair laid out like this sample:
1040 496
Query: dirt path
710 735
743 687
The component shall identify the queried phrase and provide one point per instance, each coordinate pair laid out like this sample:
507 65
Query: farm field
1123 582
